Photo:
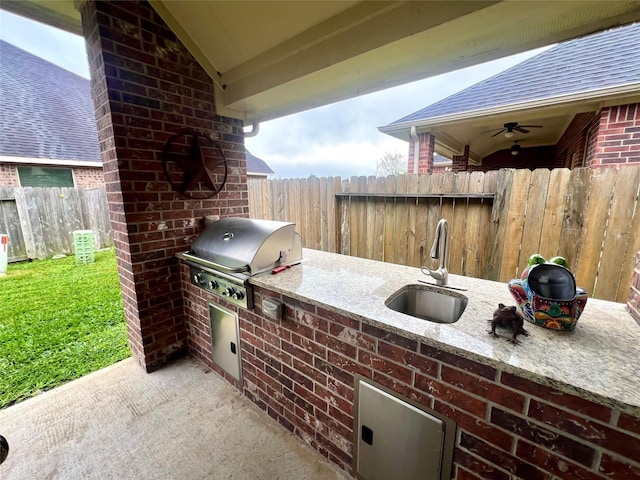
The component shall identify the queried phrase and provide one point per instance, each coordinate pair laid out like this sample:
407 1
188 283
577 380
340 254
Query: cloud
343 159
342 139
52 44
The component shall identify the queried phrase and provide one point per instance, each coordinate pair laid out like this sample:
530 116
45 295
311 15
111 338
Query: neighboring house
583 97
48 134
256 167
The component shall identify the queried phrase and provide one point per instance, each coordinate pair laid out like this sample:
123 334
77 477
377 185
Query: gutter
416 149
254 130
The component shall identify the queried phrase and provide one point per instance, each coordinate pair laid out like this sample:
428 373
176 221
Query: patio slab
180 422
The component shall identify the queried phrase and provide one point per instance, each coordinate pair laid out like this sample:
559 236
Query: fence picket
599 199
457 232
562 212
616 239
499 220
380 206
412 205
472 233
534 216
552 221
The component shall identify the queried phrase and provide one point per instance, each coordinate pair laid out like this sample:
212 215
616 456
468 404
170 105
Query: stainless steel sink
427 303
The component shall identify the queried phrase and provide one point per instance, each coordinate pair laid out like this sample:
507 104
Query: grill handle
217 266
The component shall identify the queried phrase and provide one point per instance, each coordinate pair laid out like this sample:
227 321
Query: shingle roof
257 165
606 59
45 111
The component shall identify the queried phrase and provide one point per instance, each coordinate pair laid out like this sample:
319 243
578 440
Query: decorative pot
546 294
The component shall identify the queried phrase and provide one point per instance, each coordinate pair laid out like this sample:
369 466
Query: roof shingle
603 60
257 165
46 112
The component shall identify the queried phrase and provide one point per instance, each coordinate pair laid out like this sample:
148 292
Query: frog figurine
546 294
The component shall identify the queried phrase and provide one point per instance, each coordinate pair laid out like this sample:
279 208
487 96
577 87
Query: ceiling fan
510 127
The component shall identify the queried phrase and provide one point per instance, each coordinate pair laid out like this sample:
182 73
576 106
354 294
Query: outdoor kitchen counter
597 361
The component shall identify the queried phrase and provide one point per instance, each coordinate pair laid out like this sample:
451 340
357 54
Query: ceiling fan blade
521 130
532 126
493 130
501 130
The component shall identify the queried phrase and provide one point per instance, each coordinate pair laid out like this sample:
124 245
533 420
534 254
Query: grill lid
248 245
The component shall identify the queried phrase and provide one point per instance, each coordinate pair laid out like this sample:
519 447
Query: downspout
254 131
416 149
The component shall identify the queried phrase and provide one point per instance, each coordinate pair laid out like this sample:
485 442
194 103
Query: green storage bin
83 246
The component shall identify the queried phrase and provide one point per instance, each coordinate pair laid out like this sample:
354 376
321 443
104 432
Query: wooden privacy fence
496 220
40 221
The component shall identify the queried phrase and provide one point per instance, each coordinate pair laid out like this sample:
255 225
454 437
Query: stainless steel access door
398 441
225 340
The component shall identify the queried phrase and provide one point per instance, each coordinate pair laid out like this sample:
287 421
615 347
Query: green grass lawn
58 322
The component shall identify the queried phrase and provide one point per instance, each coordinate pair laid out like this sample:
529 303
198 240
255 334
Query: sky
340 139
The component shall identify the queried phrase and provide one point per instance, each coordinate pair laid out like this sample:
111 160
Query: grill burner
231 250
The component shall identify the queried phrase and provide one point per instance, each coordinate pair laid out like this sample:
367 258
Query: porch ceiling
477 131
270 59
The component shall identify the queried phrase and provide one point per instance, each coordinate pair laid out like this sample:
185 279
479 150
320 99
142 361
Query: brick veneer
88 177
146 87
534 157
618 137
425 154
569 152
8 175
461 162
633 304
301 372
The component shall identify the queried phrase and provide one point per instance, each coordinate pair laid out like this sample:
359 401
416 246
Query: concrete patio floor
180 422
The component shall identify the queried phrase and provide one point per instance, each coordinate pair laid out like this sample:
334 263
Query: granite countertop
598 360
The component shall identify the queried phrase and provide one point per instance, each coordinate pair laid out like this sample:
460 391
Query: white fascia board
50 162
557 101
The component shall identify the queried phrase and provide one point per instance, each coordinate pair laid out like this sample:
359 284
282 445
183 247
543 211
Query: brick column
633 304
146 87
425 155
461 162
617 141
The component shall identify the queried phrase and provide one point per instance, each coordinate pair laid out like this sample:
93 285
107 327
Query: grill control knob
238 295
213 284
197 278
229 292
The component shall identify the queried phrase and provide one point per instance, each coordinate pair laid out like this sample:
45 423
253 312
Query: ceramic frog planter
546 294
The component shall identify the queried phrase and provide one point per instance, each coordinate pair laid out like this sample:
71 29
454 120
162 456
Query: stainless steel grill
231 250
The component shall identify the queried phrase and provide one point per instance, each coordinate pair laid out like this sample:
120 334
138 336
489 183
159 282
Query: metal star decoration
203 164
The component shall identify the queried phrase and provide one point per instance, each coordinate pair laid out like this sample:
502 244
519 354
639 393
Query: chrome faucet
439 251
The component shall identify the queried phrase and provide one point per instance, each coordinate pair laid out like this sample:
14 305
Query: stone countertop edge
596 361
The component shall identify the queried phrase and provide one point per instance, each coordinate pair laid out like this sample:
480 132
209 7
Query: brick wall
570 149
633 304
618 137
88 178
8 175
535 157
301 372
425 154
461 162
146 87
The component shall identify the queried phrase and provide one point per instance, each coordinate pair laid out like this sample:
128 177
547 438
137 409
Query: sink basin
427 303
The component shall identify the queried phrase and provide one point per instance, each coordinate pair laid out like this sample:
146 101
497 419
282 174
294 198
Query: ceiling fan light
515 151
508 134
